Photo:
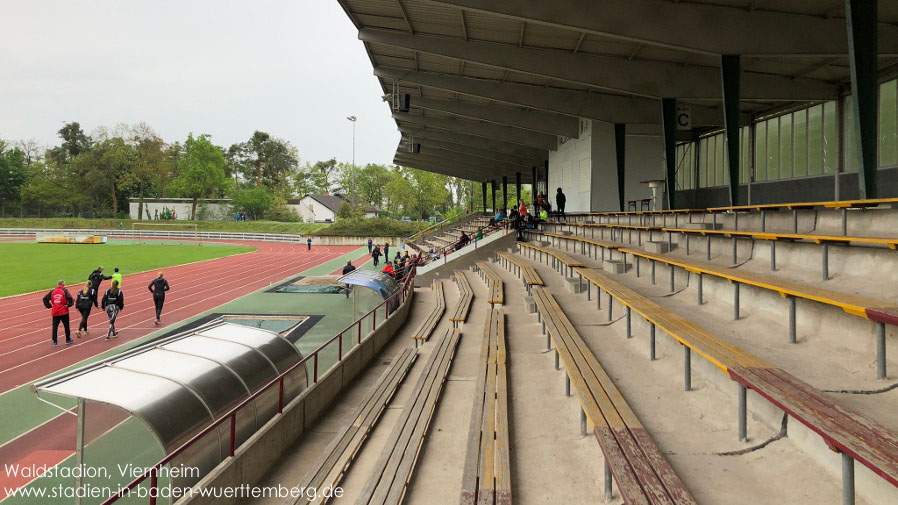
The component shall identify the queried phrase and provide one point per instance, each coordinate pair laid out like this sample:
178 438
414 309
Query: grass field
113 224
30 267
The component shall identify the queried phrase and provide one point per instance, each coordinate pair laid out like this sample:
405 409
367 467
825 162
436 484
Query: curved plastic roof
380 282
178 386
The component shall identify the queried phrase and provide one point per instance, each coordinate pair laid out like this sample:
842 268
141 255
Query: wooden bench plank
529 273
464 300
892 242
403 444
561 256
623 472
852 304
333 462
427 326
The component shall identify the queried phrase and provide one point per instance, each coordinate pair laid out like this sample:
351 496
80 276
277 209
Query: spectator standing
83 302
370 242
309 244
375 255
560 202
113 302
58 301
95 278
386 251
158 287
117 277
349 267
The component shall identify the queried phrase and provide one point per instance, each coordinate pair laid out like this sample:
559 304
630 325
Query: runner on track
95 278
113 302
158 287
116 276
58 301
83 301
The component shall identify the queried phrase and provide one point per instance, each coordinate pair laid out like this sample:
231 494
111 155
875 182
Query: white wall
596 188
645 161
213 211
311 211
570 169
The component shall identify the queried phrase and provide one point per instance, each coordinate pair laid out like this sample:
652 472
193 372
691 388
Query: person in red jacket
388 269
58 301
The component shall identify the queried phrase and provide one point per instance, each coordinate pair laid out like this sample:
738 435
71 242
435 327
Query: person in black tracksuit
158 287
349 267
83 302
95 278
560 202
113 302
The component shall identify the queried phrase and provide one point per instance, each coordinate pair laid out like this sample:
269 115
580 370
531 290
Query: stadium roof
494 82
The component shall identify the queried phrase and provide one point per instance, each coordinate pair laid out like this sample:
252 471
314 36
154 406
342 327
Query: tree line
98 175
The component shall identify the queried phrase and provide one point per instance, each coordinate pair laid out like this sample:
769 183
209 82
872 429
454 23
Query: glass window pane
703 164
800 127
851 156
830 138
720 163
786 146
761 151
888 124
773 149
815 140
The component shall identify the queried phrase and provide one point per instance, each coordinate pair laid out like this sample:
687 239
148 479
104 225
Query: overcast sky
292 68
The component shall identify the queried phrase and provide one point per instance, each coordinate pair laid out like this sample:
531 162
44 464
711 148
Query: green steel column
730 68
669 125
860 18
494 187
504 191
517 182
483 187
546 170
620 145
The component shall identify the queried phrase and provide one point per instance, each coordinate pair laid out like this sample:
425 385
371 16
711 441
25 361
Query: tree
254 201
150 162
256 144
74 142
201 170
417 191
12 174
327 171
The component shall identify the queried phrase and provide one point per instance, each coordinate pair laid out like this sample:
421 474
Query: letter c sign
684 118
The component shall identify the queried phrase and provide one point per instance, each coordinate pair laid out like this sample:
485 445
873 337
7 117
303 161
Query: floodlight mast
352 169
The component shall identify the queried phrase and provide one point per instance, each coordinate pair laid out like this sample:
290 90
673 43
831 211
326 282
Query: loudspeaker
404 102
416 148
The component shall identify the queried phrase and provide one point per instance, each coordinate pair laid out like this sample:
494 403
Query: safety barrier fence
385 308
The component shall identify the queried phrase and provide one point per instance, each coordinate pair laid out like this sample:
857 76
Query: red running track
26 354
25 351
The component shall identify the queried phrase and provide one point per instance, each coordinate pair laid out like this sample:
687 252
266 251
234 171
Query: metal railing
452 247
387 307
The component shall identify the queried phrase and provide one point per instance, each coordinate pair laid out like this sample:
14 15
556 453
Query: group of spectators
59 300
240 216
521 219
398 268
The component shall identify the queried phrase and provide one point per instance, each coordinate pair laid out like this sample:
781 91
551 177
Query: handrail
450 248
153 471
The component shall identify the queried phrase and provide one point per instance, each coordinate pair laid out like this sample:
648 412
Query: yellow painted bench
844 430
632 459
521 268
493 281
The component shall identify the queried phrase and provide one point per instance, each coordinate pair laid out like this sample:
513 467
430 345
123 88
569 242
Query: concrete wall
256 456
208 211
570 169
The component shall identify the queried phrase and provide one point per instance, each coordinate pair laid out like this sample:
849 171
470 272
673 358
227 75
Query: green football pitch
28 267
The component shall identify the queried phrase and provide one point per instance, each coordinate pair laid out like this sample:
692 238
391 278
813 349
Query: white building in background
324 208
206 209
